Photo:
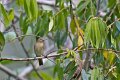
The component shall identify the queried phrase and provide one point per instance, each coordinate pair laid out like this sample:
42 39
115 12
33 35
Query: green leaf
34 9
27 8
11 15
95 74
95 32
71 73
42 25
2 41
4 62
69 67
60 73
73 26
103 30
57 38
5 16
82 5
23 23
51 24
20 2
111 3
58 70
45 76
92 34
88 32
111 57
60 21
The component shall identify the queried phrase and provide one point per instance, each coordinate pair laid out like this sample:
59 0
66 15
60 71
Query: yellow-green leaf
5 16
34 9
105 54
73 26
109 55
51 24
11 15
80 42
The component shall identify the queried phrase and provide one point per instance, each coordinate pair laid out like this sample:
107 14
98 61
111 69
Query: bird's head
40 40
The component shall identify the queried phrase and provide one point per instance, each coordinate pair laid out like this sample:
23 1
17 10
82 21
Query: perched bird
39 49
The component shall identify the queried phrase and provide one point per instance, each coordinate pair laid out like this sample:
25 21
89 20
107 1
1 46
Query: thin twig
108 18
112 68
114 22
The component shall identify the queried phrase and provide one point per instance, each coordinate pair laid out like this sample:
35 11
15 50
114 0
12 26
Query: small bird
39 49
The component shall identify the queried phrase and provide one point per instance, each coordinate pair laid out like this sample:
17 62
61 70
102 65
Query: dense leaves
90 29
94 32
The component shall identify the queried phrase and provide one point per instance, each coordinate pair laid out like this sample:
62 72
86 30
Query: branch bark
56 55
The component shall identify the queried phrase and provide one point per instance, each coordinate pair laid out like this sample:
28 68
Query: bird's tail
40 62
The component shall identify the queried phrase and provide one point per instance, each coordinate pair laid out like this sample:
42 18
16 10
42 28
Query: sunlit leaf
105 54
73 26
109 55
79 32
11 15
95 32
20 2
25 25
5 16
27 8
34 9
80 41
50 24
114 74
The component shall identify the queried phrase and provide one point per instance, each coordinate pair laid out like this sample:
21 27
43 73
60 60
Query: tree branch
56 55
9 72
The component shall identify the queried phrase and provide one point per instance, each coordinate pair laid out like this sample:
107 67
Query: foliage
92 34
